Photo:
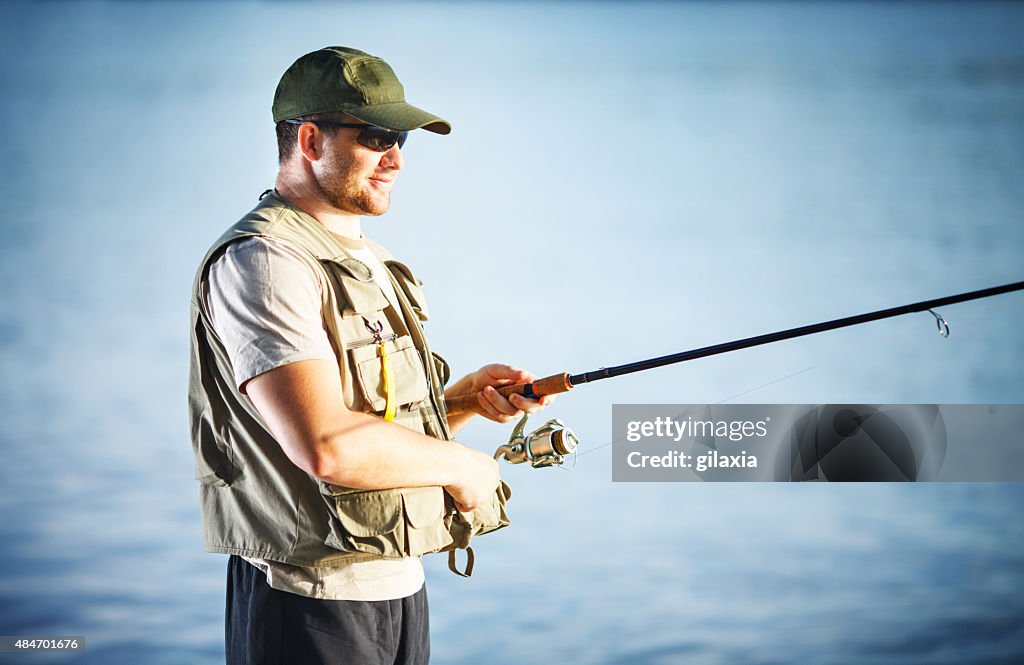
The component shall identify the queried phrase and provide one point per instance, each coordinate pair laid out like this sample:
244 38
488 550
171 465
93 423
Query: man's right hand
478 479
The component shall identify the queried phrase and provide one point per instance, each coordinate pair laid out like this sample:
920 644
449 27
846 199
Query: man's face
353 178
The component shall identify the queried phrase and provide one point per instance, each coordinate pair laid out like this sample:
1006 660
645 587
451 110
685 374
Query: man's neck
309 200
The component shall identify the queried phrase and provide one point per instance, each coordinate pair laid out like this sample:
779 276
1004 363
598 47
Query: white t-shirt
264 302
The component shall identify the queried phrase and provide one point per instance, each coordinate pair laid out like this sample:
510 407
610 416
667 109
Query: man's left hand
492 404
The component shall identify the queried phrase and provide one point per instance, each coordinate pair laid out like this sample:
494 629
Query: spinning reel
547 445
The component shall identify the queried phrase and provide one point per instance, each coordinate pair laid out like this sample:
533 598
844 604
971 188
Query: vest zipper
409 314
373 340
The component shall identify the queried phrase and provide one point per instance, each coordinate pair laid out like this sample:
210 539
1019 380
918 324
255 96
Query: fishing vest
254 501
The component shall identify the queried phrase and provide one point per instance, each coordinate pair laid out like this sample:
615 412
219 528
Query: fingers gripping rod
549 385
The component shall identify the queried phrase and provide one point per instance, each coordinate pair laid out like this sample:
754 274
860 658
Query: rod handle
549 385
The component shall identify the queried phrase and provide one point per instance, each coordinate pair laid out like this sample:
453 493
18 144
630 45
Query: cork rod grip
549 385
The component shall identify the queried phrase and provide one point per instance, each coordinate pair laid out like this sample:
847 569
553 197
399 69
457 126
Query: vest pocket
424 512
406 370
412 287
444 372
392 523
359 294
213 465
489 517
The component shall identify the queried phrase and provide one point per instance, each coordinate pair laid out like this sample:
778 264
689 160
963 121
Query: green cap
339 79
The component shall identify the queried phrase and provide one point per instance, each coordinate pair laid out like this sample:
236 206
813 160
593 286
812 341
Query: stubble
345 189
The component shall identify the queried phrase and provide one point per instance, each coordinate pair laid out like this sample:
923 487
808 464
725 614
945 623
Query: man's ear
309 141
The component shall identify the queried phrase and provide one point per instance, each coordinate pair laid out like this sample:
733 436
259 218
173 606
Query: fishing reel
545 446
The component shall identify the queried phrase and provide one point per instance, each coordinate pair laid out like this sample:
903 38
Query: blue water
623 180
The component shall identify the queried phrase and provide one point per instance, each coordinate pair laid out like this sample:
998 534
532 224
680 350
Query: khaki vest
255 502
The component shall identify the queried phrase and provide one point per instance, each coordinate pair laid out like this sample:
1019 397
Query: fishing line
591 449
564 382
550 444
885 341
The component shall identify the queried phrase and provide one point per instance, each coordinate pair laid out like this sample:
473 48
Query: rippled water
623 181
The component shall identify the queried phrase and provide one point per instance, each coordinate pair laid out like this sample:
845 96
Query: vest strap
469 563
390 401
389 384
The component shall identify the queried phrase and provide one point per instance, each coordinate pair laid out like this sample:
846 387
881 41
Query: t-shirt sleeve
265 304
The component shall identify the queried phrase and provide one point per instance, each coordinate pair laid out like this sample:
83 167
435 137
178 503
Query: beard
345 190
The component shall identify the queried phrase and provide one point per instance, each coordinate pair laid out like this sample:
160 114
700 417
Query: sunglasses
373 137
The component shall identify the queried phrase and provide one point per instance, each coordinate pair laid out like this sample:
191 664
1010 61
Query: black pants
265 626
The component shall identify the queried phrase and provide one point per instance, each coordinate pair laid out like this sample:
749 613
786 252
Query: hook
941 324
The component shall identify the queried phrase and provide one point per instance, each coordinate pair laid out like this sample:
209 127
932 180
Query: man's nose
392 158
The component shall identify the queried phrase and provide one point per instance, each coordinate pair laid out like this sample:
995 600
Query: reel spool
546 446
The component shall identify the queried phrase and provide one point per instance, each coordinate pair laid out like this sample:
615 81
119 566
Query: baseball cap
340 79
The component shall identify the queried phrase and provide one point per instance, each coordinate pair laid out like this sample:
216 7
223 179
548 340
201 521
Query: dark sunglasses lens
380 139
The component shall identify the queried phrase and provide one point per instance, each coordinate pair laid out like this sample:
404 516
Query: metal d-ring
941 324
375 329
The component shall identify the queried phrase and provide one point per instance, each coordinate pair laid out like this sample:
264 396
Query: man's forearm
302 405
456 423
366 452
457 389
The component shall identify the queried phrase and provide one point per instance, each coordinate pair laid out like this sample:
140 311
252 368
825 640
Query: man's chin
376 208
366 208
373 212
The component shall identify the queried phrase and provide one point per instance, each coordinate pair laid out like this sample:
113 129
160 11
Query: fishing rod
564 382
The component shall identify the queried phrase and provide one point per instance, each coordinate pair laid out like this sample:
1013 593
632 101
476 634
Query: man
317 410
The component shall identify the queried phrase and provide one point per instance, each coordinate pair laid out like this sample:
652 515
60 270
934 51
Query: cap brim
400 116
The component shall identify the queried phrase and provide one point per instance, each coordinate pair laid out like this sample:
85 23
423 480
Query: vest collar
288 219
275 217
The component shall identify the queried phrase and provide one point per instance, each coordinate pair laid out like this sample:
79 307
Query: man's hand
492 404
477 481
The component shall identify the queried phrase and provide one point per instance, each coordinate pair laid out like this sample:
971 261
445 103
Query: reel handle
549 385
